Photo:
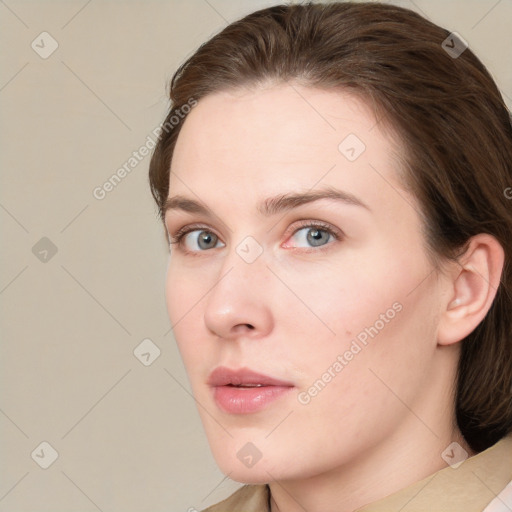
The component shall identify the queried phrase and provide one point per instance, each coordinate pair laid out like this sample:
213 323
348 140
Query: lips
244 391
223 376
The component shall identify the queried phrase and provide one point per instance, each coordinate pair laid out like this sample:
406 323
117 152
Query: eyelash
178 237
335 233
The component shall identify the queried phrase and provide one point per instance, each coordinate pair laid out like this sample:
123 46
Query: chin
249 477
246 472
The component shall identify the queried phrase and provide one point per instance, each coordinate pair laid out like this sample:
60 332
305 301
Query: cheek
372 313
184 289
183 297
351 388
339 299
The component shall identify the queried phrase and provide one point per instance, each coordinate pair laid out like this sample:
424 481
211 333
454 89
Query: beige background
128 436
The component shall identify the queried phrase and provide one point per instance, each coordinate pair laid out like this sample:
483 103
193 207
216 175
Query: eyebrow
271 206
285 202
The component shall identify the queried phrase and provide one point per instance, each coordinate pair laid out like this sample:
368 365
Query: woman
333 181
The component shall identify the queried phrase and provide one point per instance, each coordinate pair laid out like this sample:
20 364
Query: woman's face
300 295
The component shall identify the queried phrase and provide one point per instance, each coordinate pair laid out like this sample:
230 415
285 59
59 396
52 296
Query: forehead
243 145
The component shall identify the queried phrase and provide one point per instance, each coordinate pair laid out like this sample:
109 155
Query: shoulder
249 498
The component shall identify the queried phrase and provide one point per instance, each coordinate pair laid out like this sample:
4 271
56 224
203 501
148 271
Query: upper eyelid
192 227
326 226
189 228
304 224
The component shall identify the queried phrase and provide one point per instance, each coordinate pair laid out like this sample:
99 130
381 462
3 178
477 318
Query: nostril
245 326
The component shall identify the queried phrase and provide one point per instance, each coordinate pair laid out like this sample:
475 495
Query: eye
311 235
195 240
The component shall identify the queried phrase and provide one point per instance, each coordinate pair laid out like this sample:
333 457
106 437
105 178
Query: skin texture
380 423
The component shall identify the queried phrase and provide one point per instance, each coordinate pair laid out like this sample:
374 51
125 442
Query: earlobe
473 286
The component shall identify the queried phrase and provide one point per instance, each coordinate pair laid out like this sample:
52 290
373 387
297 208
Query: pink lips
244 391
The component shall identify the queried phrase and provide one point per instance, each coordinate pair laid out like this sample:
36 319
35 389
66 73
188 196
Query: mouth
244 391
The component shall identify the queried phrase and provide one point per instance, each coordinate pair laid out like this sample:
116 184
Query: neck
387 468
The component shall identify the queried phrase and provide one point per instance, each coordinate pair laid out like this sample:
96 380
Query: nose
239 304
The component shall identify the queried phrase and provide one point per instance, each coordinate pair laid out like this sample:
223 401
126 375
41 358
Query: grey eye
201 240
317 237
207 240
311 236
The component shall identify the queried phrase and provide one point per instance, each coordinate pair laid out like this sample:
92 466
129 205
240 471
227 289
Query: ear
473 283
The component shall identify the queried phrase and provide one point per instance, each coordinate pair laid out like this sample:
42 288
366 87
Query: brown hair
450 117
